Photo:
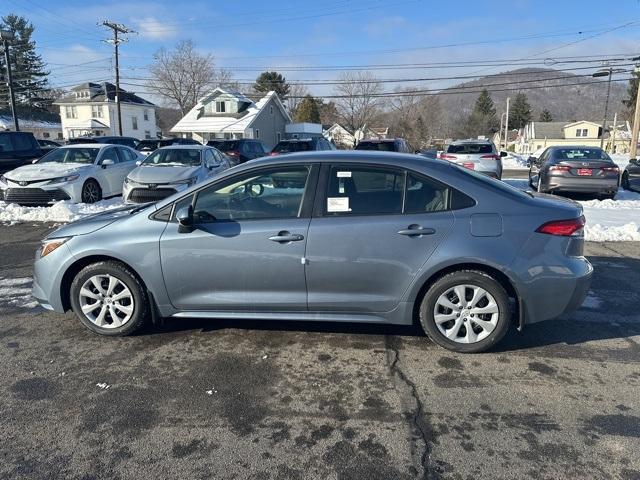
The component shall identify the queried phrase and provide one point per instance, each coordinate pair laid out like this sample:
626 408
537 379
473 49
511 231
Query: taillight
492 156
233 153
564 228
559 168
446 156
469 165
272 154
611 169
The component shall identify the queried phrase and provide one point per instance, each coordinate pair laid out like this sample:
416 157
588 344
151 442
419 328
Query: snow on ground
62 211
607 220
16 293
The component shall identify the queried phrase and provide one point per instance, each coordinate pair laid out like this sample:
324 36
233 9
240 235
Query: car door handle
416 231
285 237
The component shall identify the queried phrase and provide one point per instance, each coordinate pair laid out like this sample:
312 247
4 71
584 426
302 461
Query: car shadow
612 290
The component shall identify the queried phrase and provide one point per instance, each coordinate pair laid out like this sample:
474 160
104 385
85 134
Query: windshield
470 148
380 146
580 154
224 145
174 157
286 147
71 155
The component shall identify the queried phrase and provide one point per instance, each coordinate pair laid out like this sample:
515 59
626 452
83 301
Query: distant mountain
566 103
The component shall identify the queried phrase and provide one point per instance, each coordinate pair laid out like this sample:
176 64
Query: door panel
110 175
232 265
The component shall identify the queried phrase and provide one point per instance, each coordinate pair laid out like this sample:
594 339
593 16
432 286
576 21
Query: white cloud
154 29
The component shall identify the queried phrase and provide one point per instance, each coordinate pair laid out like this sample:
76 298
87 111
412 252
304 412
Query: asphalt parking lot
254 400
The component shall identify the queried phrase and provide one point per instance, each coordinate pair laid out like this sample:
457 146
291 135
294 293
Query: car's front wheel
466 311
91 192
109 299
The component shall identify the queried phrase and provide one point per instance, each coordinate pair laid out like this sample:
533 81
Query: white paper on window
338 204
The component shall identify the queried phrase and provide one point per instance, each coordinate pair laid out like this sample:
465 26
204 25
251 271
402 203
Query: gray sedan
329 236
575 169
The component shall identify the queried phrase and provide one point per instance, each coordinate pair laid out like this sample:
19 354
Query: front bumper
35 194
47 277
142 193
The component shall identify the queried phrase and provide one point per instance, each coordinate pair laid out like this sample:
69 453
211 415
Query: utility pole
633 151
506 127
6 36
613 133
117 29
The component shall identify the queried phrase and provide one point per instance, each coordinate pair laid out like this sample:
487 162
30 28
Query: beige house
41 129
537 135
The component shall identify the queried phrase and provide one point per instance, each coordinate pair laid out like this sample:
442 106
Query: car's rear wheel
466 311
109 299
91 192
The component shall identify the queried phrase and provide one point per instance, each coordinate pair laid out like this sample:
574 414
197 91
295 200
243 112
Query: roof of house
6 123
194 121
102 92
548 129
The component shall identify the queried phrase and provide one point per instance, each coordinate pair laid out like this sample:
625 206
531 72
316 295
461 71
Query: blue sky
250 36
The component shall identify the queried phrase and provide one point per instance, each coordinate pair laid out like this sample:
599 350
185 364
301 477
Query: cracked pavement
270 400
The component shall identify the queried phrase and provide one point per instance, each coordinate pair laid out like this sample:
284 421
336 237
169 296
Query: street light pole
606 107
506 127
633 149
6 35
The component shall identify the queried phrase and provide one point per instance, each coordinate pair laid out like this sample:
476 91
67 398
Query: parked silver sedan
479 155
172 169
575 169
327 236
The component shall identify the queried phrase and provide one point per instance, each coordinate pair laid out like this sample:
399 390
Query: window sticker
338 204
344 174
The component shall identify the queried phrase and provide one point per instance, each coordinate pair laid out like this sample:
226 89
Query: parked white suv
479 155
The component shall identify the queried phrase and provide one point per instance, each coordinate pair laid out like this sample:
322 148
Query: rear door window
364 190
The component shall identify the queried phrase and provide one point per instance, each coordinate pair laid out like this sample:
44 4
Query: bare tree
182 76
297 92
359 102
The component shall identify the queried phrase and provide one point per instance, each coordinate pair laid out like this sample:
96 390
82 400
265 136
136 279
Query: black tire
466 277
91 192
141 309
531 181
625 181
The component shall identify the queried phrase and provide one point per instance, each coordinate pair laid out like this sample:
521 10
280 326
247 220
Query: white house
345 139
90 109
229 114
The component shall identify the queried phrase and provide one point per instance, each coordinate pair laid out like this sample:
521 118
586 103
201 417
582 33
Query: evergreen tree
632 93
520 113
29 74
545 116
308 110
268 81
483 119
484 104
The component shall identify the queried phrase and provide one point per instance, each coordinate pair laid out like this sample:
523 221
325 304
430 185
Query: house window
45 135
134 123
257 133
278 135
581 132
96 111
228 135
221 107
71 112
146 115
271 109
147 134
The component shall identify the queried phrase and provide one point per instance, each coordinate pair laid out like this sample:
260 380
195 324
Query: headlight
50 245
3 179
188 182
68 178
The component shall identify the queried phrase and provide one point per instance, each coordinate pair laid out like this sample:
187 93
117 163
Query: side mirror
35 160
185 219
139 162
107 162
634 161
503 154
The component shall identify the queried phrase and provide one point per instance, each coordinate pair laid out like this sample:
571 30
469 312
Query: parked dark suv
385 145
302 145
241 150
17 149
111 139
150 145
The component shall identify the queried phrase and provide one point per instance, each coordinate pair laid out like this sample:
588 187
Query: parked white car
83 173
172 169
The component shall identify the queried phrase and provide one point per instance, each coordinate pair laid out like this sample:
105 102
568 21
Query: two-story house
229 114
90 109
537 135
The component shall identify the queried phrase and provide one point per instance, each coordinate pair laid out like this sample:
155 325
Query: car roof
356 156
90 145
556 147
184 147
469 140
379 140
296 140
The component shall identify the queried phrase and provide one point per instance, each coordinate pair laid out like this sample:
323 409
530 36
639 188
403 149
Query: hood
96 222
144 174
44 171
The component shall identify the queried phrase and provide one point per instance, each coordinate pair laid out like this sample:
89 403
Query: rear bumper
581 185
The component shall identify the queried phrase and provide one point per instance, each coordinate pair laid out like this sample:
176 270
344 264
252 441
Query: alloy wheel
90 193
466 313
106 301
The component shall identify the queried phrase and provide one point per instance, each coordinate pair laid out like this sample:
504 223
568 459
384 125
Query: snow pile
515 162
62 211
629 232
16 292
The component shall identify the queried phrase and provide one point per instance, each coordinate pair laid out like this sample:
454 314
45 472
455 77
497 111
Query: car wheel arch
499 275
75 268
